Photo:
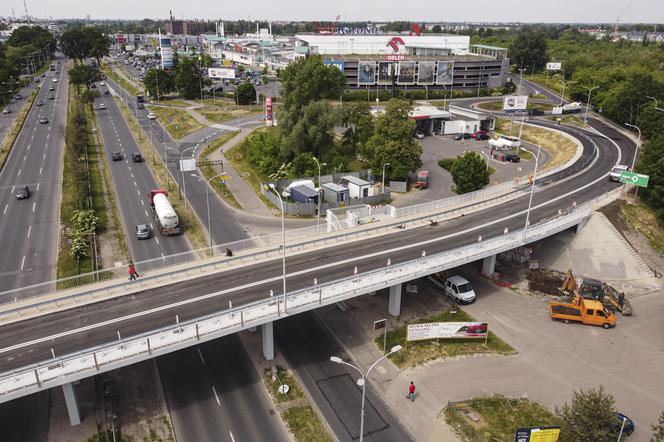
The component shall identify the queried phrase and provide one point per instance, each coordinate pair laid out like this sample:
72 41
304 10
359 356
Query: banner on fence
537 434
437 330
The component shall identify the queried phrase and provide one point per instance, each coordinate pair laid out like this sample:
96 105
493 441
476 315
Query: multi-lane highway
30 227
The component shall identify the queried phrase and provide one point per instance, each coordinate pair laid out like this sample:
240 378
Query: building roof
305 190
425 112
380 57
335 187
493 48
355 180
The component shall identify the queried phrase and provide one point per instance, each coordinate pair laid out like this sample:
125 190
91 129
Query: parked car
480 135
458 288
51 88
43 120
513 158
614 175
535 112
629 424
23 193
18 97
462 136
143 232
418 134
136 157
151 116
116 156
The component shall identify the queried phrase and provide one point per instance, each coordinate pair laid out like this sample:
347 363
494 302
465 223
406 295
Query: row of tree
80 43
18 54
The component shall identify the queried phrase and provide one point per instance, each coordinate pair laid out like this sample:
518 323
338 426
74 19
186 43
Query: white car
504 142
102 106
456 287
55 80
152 116
102 84
614 175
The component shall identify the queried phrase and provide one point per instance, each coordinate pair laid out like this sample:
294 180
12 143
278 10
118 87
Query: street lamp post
184 183
168 181
562 95
283 245
585 117
207 198
362 382
638 146
319 191
655 99
532 190
382 188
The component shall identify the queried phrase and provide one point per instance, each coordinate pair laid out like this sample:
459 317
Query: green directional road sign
634 178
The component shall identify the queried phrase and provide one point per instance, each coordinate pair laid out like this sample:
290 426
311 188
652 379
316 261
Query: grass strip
15 129
420 352
176 121
119 79
499 417
195 232
209 171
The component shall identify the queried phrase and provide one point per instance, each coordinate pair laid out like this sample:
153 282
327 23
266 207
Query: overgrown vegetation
209 171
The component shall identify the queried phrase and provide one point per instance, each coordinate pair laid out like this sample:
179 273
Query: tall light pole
655 99
562 95
168 180
184 183
362 382
382 189
319 191
585 117
636 151
532 190
283 245
207 198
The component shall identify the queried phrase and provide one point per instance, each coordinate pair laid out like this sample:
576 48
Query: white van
504 142
456 287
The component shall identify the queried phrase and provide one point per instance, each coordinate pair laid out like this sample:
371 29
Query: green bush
447 163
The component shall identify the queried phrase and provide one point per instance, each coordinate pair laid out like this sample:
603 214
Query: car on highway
151 116
136 157
418 134
93 86
140 106
18 97
37 80
51 97
43 120
116 156
143 232
614 175
102 84
480 135
462 136
513 158
102 106
106 92
51 88
6 111
23 193
39 103
629 424
55 80
535 112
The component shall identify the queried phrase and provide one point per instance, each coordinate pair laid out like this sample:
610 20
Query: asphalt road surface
264 276
29 228
214 394
307 346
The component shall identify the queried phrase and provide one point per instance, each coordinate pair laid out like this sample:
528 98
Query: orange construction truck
586 311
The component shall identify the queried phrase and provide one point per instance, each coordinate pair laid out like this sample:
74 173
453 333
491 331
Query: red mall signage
394 57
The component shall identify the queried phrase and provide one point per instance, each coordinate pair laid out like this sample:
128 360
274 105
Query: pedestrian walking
411 392
133 274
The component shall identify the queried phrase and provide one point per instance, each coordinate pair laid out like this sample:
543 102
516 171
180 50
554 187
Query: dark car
106 92
37 80
51 97
463 136
629 424
480 135
23 193
116 156
535 112
18 97
39 103
93 86
43 120
140 106
513 158
143 232
51 89
136 157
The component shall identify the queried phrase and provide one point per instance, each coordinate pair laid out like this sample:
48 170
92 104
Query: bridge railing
179 335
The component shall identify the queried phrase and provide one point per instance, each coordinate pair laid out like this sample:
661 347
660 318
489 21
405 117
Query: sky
558 11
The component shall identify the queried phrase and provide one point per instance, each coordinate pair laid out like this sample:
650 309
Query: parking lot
440 181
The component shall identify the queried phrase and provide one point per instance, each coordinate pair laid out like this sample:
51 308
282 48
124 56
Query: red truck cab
422 180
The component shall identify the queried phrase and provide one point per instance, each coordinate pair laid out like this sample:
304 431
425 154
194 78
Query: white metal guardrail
127 351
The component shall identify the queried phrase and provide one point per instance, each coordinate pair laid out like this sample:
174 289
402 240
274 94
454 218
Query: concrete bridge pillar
394 305
268 341
581 225
72 404
489 265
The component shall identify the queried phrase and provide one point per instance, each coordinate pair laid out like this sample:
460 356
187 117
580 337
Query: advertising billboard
438 330
537 434
166 52
445 74
366 72
341 65
385 74
406 73
221 73
515 103
268 111
425 71
554 66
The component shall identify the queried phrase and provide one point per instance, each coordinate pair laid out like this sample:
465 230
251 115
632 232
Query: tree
650 121
188 79
312 132
36 37
75 44
590 417
392 142
469 173
651 163
304 165
83 74
158 82
357 119
529 47
99 43
245 93
658 430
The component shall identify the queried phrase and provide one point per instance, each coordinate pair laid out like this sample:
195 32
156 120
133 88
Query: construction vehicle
598 291
585 311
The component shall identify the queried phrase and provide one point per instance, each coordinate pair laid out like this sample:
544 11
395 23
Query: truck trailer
163 213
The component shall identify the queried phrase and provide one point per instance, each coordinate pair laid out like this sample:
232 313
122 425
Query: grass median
416 353
194 231
496 418
15 129
209 170
120 80
296 412
175 120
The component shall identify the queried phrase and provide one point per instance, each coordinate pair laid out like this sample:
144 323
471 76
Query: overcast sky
603 11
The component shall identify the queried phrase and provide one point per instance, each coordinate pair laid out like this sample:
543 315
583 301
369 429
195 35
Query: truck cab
422 180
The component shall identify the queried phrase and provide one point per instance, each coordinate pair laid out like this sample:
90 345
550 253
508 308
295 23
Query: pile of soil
545 281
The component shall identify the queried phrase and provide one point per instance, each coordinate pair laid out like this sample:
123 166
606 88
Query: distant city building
184 27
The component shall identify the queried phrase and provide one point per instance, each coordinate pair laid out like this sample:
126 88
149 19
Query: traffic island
496 417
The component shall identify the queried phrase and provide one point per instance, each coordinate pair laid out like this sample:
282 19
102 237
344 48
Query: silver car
614 175
143 231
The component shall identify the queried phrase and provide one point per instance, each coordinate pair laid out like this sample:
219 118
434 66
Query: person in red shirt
411 392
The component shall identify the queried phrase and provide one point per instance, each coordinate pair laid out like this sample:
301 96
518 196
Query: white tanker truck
164 214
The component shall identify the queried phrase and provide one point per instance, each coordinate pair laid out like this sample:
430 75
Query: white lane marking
12 191
29 146
44 157
5 211
25 157
40 170
34 205
142 203
230 433
29 230
19 172
146 214
163 257
38 184
135 184
156 239
151 226
138 192
200 355
216 396
48 136
22 262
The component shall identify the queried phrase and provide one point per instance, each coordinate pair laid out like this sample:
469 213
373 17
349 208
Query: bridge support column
268 341
489 265
394 305
581 225
72 404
